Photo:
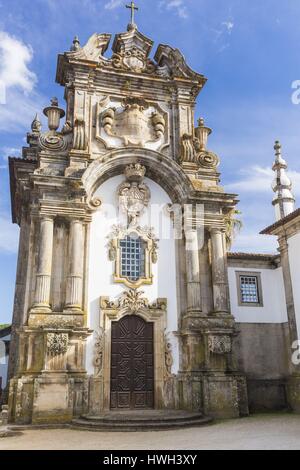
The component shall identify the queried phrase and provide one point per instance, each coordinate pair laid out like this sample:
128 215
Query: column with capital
193 227
44 271
219 275
193 272
75 276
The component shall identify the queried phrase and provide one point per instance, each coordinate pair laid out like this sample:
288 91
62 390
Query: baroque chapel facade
126 295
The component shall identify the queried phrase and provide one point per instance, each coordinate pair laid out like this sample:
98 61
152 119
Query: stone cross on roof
133 8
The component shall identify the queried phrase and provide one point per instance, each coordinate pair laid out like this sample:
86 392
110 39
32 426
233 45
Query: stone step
142 418
138 423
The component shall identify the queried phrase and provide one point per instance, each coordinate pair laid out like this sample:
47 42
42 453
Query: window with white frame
249 289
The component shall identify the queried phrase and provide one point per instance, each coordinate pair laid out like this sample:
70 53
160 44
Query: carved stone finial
54 101
76 44
54 114
202 132
36 125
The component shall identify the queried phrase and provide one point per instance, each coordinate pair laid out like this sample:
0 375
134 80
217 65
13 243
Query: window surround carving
118 234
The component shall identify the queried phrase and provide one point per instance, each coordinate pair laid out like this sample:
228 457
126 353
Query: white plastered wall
274 303
100 275
294 259
3 360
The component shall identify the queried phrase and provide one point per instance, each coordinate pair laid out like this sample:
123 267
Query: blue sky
248 50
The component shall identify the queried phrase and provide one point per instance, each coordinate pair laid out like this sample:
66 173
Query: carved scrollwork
208 159
80 138
98 352
53 141
133 59
191 152
133 302
134 196
134 122
57 343
169 361
188 149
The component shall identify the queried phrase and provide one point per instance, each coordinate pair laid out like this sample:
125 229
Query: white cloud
9 236
9 152
19 82
254 243
112 4
229 25
258 179
14 59
11 119
176 5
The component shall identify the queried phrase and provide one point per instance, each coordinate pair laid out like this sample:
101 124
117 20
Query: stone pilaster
75 277
193 273
219 278
44 271
284 257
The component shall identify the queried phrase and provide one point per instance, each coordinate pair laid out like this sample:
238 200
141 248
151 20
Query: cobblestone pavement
268 431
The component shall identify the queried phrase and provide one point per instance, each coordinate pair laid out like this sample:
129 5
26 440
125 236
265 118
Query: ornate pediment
130 53
172 61
132 122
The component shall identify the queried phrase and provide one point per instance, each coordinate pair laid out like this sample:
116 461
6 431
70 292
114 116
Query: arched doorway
132 364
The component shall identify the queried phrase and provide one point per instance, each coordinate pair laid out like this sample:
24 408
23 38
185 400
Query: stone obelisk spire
284 200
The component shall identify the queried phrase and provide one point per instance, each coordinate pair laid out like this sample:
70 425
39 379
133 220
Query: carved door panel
132 368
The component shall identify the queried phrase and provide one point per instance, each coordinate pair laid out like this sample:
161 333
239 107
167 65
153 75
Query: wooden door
132 369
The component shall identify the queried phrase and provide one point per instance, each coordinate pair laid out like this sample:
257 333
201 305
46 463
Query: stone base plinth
51 398
293 393
217 395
